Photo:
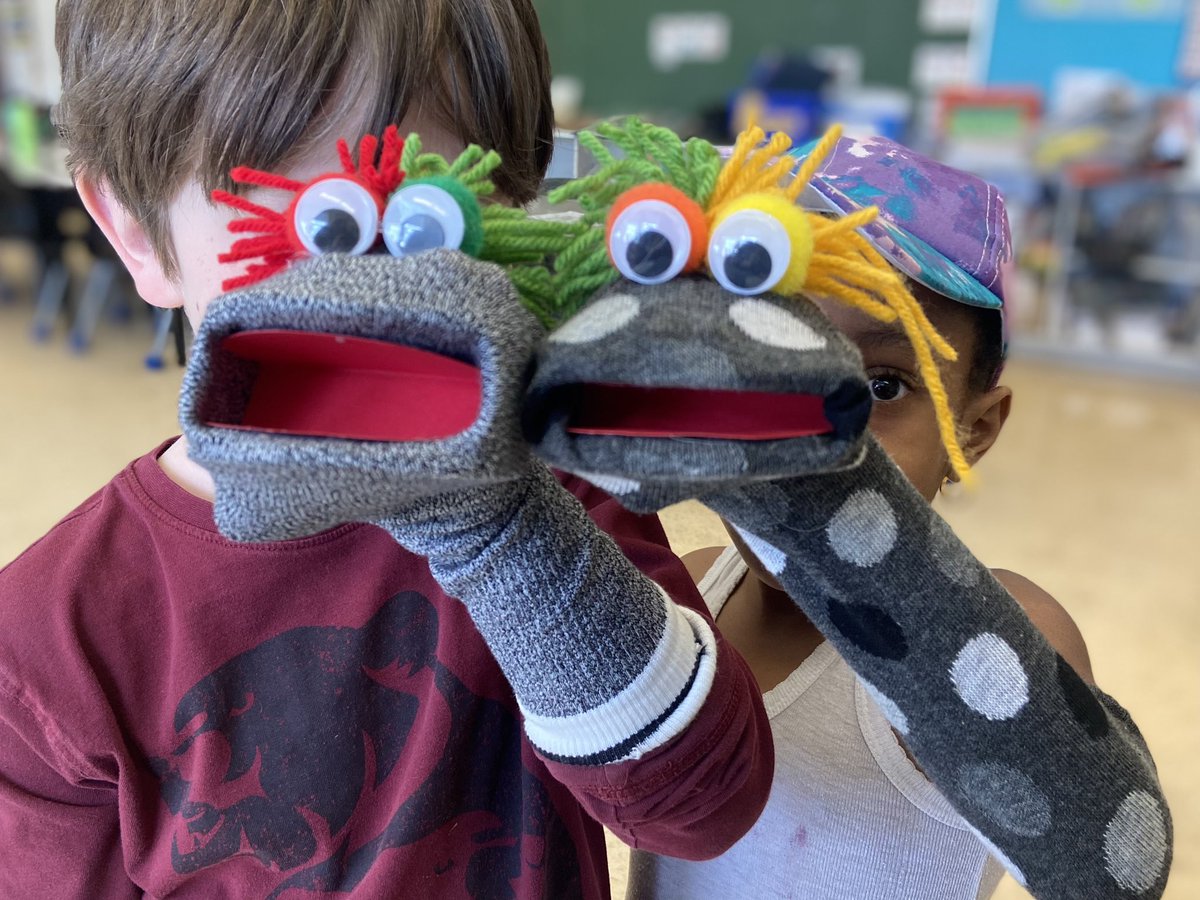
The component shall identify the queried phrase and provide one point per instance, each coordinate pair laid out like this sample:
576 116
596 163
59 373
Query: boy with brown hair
183 715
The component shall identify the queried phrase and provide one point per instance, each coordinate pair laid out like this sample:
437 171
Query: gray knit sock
1050 771
604 665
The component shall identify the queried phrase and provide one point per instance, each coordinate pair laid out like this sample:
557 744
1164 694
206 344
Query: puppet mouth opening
331 385
618 410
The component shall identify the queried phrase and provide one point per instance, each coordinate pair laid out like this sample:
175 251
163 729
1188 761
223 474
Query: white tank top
849 816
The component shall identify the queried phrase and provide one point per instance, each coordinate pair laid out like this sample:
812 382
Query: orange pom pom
693 215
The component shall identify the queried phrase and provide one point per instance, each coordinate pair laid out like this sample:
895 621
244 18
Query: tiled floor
1093 492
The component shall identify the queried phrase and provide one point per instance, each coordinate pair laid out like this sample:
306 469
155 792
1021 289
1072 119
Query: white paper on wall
948 16
939 64
678 38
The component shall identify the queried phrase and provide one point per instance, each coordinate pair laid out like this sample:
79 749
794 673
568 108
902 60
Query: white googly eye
422 217
750 252
650 242
336 215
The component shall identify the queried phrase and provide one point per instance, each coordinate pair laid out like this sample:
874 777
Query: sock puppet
334 384
692 367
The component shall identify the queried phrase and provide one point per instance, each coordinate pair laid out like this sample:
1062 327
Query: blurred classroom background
1085 112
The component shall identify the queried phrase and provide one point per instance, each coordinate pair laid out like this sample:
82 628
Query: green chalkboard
605 43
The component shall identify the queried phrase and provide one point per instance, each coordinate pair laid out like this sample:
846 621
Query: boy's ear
984 418
131 242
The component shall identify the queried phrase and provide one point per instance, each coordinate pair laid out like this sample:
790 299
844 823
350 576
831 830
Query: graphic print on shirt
302 752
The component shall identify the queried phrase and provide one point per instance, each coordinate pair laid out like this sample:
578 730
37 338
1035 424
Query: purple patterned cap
942 227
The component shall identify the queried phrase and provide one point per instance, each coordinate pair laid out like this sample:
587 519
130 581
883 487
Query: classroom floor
1093 492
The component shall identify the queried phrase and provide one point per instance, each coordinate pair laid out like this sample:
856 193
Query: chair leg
52 294
96 292
162 333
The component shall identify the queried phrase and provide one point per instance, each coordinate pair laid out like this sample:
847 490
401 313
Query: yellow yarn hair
832 259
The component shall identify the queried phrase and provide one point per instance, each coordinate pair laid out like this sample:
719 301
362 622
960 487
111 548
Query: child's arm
57 839
1051 619
1051 771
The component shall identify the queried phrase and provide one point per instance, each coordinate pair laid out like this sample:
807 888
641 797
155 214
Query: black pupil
885 387
335 231
748 266
419 233
650 254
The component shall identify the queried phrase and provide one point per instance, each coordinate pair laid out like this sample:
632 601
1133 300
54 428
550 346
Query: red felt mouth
620 410
332 385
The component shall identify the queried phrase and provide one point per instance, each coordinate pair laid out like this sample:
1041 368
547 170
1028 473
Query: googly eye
336 215
423 217
655 232
750 252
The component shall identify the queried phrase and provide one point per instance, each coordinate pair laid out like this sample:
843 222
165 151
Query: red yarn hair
275 243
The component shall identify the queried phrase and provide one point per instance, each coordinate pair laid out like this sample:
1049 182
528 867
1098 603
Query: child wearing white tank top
850 816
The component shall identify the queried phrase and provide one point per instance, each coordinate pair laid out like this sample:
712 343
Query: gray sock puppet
760 408
384 387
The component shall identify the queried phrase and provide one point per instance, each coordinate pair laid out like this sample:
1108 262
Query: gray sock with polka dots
1049 770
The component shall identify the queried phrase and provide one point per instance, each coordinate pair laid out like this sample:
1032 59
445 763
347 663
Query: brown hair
159 91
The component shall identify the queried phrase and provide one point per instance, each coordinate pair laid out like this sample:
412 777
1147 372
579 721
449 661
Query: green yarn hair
509 237
557 263
651 153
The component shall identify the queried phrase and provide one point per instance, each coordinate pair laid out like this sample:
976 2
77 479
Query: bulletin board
605 44
1032 40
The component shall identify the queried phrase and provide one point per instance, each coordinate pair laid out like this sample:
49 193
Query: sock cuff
660 702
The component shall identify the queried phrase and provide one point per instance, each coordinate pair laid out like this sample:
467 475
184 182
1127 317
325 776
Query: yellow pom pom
792 221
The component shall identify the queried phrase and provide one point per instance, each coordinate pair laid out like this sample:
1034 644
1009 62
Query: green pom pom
472 242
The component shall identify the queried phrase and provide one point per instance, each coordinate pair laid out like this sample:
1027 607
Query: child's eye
336 215
422 217
886 387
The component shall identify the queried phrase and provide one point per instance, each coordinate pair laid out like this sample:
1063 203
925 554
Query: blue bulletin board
1033 39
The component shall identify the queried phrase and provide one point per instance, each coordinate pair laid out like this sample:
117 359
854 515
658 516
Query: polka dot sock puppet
369 366
688 365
